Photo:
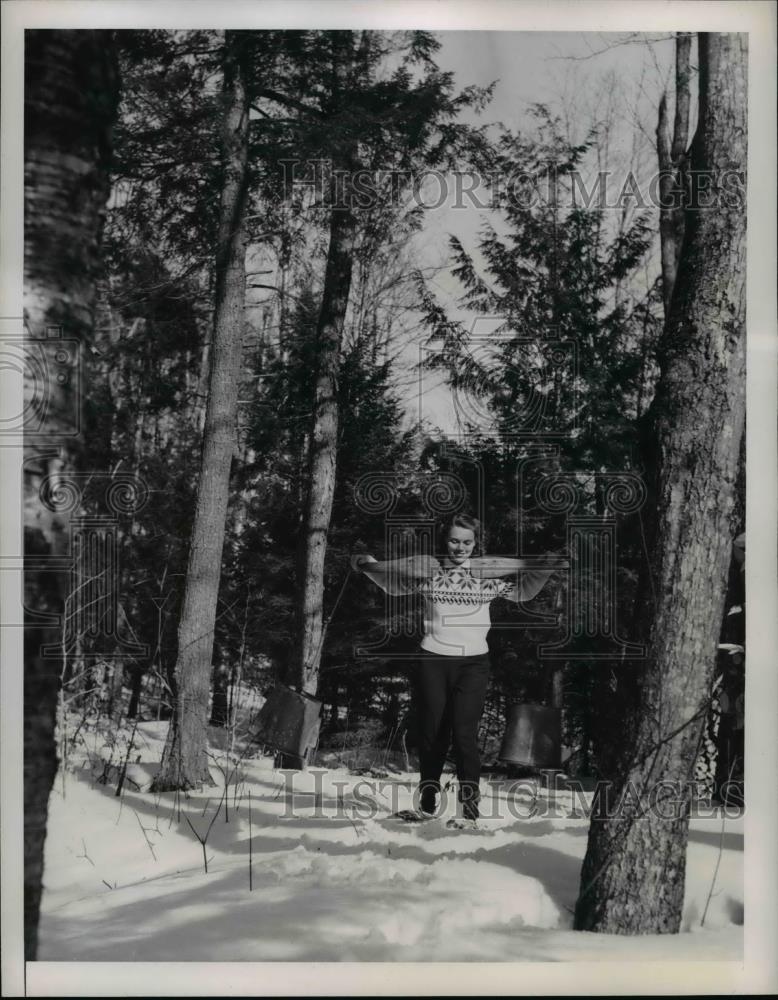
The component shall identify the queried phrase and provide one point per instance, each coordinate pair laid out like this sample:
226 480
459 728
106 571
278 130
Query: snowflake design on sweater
459 586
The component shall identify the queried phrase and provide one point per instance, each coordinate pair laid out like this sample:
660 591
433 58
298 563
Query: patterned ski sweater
457 598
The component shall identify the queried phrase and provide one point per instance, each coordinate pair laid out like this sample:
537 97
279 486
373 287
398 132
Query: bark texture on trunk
672 165
184 762
322 463
71 97
634 871
323 438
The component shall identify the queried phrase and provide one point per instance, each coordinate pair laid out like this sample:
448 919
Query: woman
452 671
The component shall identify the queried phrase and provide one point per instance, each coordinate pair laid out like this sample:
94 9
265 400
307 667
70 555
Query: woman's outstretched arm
528 584
494 567
396 576
528 576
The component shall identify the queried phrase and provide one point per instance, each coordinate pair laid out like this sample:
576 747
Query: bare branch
635 38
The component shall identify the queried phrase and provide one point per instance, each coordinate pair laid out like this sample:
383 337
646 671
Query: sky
585 77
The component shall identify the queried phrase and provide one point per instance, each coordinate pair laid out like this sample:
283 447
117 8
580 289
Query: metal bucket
289 721
533 737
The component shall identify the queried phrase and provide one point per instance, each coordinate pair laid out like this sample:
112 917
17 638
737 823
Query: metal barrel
289 721
533 736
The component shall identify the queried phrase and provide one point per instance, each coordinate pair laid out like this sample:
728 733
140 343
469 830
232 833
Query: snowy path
332 882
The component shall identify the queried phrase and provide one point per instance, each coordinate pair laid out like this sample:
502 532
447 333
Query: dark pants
451 691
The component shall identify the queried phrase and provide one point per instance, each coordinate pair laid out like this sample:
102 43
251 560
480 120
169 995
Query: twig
202 843
176 804
392 733
237 788
716 869
121 807
63 712
226 784
351 820
204 840
251 880
123 773
719 856
238 677
143 830
85 855
376 804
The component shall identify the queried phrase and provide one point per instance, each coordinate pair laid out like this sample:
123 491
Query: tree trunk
322 461
633 874
133 708
114 675
323 437
672 166
184 761
71 95
220 708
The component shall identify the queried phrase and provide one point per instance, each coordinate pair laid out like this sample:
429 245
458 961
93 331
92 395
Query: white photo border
758 973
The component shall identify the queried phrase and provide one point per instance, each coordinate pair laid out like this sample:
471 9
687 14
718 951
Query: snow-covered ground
333 878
